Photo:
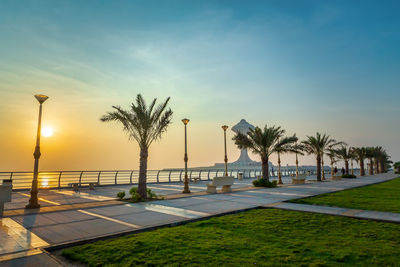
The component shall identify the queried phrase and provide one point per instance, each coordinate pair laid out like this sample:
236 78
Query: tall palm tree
317 145
144 124
264 142
297 149
344 153
360 154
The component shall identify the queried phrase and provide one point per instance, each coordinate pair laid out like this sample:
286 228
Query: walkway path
25 233
354 213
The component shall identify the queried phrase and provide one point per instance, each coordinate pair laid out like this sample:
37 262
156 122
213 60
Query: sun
47 131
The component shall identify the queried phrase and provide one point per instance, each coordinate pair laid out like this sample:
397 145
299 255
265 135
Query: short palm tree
297 149
352 158
264 142
144 124
360 154
344 153
317 145
331 153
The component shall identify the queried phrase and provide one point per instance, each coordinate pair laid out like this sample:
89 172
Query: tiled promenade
67 217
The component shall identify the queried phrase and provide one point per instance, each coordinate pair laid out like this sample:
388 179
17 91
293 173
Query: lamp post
225 127
186 180
279 167
33 201
322 169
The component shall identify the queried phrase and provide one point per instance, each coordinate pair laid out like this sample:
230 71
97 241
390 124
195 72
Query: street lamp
33 201
225 127
279 167
186 181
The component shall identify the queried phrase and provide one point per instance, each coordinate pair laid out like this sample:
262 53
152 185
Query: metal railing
62 179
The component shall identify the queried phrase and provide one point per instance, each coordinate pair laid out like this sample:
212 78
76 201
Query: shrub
349 176
135 197
121 195
264 183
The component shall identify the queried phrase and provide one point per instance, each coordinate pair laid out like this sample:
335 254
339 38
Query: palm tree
352 158
331 153
344 153
360 154
264 142
317 145
370 154
144 124
297 149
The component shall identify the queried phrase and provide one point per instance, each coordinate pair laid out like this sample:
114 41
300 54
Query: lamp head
225 127
41 98
185 121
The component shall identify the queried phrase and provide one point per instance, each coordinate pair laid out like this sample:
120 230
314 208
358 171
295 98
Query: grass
381 197
263 237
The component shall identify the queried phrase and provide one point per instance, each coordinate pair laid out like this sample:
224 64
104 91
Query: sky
308 66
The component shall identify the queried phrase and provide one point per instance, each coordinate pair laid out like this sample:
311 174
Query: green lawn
382 197
266 237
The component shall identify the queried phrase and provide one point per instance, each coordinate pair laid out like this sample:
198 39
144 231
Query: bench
301 179
5 194
75 186
224 181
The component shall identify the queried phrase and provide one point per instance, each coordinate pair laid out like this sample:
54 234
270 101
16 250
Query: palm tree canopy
142 123
360 153
265 141
344 153
318 144
297 148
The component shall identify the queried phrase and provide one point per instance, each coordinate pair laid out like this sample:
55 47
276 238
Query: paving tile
149 218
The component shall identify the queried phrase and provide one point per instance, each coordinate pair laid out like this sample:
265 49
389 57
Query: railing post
98 177
180 176
169 176
158 173
200 175
216 174
190 175
80 178
116 174
130 178
59 180
208 175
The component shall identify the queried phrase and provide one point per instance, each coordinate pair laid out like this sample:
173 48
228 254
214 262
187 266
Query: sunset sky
327 66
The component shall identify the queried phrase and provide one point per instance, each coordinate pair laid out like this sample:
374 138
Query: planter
298 181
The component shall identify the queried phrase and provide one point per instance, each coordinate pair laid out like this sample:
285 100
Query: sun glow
47 131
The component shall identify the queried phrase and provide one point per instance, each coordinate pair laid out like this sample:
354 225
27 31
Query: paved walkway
354 213
26 233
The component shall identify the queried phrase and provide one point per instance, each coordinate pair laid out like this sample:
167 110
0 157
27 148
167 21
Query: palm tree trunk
279 170
332 170
362 170
346 166
383 167
265 168
352 169
142 187
319 168
322 168
371 167
297 167
376 166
